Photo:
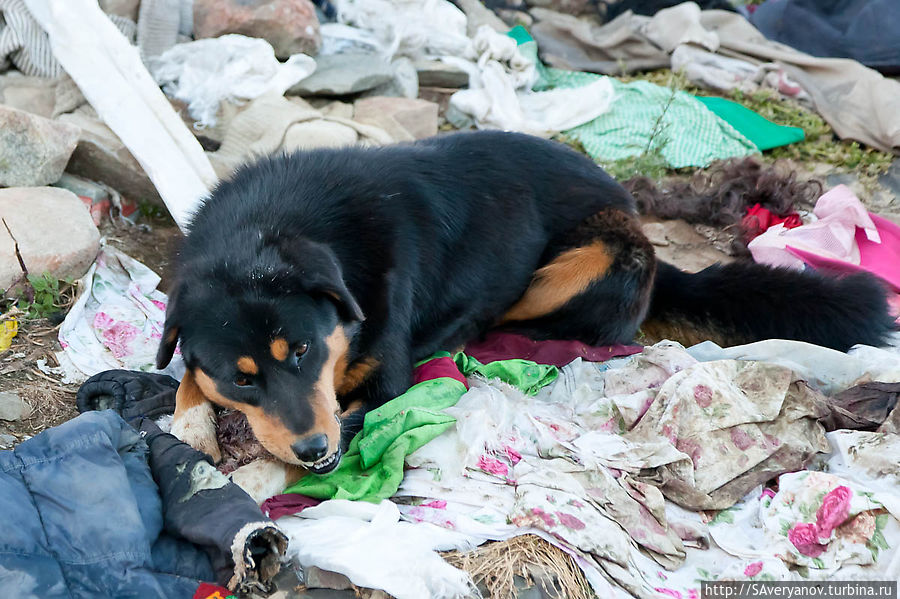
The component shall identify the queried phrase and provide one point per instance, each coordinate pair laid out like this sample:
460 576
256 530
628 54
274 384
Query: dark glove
133 395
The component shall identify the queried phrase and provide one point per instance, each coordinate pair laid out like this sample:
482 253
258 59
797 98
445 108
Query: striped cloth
687 133
24 45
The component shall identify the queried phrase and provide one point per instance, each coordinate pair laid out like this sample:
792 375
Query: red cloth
508 346
286 504
759 219
212 591
437 368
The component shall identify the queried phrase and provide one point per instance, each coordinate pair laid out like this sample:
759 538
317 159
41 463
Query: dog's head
269 338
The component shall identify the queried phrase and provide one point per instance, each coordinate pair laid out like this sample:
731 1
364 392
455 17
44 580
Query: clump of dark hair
720 195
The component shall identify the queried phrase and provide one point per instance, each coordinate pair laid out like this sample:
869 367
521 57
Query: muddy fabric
863 407
738 424
206 509
617 47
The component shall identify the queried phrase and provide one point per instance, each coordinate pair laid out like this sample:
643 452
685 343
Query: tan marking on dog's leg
263 478
194 421
247 365
356 375
279 348
563 278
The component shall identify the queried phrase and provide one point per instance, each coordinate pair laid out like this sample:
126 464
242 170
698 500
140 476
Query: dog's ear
170 334
318 271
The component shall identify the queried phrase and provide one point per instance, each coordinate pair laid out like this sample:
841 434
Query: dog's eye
243 381
301 349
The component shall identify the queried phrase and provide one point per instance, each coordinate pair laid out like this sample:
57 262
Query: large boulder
101 156
291 26
53 229
33 150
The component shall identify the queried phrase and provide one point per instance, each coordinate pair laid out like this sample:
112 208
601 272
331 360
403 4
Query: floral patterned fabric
599 462
117 321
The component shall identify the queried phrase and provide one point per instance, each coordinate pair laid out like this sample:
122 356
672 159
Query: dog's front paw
196 426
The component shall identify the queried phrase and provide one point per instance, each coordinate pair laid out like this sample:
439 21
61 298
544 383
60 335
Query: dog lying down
309 284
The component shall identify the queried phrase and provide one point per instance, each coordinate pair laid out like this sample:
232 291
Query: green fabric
372 468
688 135
764 134
527 376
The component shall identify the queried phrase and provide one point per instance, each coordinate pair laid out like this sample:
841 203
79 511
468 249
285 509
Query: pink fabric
840 213
507 346
845 238
437 368
286 504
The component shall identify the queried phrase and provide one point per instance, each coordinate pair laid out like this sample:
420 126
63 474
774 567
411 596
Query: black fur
421 247
749 302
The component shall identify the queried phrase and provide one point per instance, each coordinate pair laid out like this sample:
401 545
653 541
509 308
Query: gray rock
82 187
317 578
7 441
101 156
891 179
33 150
835 179
54 231
572 7
12 407
36 95
434 73
344 74
405 83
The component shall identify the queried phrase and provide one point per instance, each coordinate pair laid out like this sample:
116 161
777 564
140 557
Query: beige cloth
273 123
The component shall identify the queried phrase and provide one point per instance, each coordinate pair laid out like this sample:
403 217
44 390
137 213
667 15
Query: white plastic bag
369 544
232 67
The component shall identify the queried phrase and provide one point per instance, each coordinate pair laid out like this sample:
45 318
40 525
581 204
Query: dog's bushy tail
746 302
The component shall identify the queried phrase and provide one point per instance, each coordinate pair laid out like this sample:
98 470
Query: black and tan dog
309 284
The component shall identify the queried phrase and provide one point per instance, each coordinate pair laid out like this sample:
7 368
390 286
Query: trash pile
646 468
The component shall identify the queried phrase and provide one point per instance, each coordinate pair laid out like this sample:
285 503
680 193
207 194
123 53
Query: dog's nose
311 448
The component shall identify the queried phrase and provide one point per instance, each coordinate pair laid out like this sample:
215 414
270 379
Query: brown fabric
617 47
863 407
737 424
